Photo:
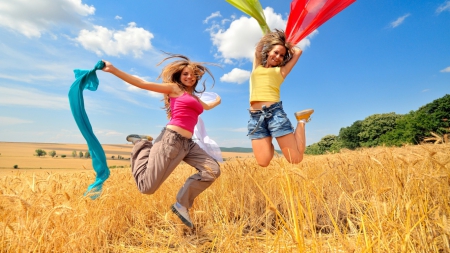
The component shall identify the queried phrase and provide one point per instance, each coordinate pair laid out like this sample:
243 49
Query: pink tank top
185 111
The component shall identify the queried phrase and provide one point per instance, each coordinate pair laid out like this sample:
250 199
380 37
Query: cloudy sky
373 57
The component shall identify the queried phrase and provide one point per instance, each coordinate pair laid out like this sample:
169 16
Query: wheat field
23 155
370 200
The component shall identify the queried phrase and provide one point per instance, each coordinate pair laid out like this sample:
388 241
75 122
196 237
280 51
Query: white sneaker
182 213
304 115
136 137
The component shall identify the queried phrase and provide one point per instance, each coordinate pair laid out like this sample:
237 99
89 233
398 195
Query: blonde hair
171 73
269 40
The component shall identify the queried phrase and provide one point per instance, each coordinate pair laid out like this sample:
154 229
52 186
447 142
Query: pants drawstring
264 115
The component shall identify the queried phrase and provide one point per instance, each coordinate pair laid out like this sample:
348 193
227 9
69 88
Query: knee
144 189
216 171
263 163
213 172
295 160
264 159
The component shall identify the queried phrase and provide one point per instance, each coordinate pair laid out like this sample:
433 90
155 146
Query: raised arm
166 88
209 106
286 69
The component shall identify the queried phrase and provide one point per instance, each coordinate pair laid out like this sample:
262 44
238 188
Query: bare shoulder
176 90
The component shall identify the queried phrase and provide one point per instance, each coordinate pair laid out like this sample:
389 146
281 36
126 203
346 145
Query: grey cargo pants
151 165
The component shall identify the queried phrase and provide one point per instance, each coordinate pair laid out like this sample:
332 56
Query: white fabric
201 137
208 97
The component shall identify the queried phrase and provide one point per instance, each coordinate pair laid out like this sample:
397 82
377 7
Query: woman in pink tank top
152 163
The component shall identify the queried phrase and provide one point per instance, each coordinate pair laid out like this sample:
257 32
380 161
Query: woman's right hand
218 100
108 66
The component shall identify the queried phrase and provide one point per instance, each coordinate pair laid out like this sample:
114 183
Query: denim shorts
269 121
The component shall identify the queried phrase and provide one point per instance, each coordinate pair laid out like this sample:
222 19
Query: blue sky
373 57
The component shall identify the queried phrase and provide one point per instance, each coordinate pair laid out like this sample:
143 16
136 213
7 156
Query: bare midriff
257 105
183 132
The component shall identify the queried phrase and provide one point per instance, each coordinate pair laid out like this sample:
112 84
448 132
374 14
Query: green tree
336 146
413 127
349 137
432 117
74 153
80 154
329 143
375 126
404 132
87 154
40 152
52 153
313 149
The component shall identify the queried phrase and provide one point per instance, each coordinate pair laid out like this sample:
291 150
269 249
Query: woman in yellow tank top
274 59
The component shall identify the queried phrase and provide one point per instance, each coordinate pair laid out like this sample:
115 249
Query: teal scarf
87 79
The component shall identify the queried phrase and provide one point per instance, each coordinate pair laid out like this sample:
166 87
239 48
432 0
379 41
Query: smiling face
188 77
275 56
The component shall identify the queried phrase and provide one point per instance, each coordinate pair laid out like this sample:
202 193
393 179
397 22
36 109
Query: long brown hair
171 73
269 40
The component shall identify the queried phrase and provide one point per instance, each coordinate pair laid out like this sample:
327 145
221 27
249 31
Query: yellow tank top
265 84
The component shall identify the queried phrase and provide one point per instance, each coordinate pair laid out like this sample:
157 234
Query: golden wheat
371 200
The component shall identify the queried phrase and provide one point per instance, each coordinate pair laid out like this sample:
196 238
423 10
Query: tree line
41 152
430 123
80 154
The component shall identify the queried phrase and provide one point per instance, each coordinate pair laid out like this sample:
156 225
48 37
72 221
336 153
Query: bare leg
300 137
263 150
293 145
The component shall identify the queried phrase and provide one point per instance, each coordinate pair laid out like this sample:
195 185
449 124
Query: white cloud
399 21
224 21
238 41
240 130
306 42
4 121
122 91
28 78
43 70
38 64
236 75
101 40
132 88
213 15
155 94
107 132
118 17
444 7
137 89
32 18
446 70
32 98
